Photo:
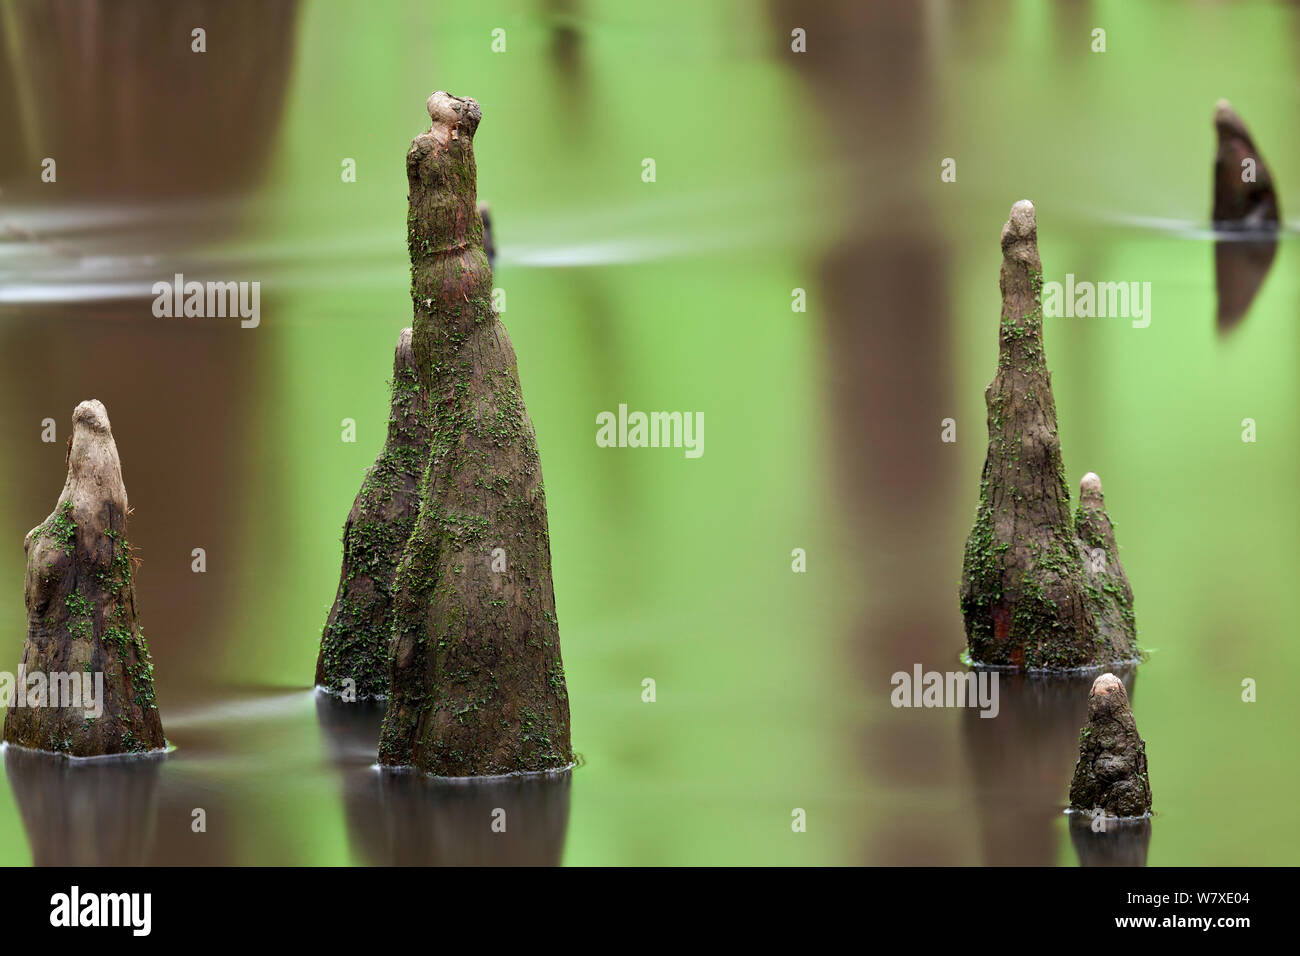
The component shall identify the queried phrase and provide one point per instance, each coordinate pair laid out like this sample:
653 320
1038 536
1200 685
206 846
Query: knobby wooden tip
1090 486
1228 123
1105 685
453 115
93 415
1021 228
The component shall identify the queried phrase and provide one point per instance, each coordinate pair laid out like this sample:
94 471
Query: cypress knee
81 614
1041 588
354 645
1244 197
489 245
476 683
1111 774
1245 200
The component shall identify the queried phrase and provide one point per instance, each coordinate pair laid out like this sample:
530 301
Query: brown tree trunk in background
1111 774
477 684
1243 195
885 326
354 646
1039 589
117 95
81 616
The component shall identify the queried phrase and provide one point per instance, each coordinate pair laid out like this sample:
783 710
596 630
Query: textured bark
81 614
354 646
477 684
1041 588
1111 774
1237 203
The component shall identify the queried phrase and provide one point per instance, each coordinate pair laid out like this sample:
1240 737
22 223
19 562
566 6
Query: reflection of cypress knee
354 645
1240 268
81 615
1111 774
1110 842
477 684
1037 591
1244 196
100 813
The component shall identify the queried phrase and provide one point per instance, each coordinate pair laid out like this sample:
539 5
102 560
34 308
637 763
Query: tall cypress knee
476 683
354 645
1041 588
82 624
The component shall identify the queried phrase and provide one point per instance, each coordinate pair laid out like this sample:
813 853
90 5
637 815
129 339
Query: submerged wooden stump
355 644
1111 774
477 684
1041 588
81 613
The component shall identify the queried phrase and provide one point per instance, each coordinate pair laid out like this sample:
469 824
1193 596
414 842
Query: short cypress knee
1041 588
354 646
477 683
1111 774
81 613
1244 197
1245 202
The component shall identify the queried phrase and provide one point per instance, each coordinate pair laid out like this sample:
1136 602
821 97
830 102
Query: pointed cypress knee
477 684
354 646
1041 588
489 245
83 635
1245 200
1111 775
1244 197
1108 595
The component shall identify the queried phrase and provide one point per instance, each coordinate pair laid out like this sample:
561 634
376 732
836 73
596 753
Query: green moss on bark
354 651
1111 773
81 612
